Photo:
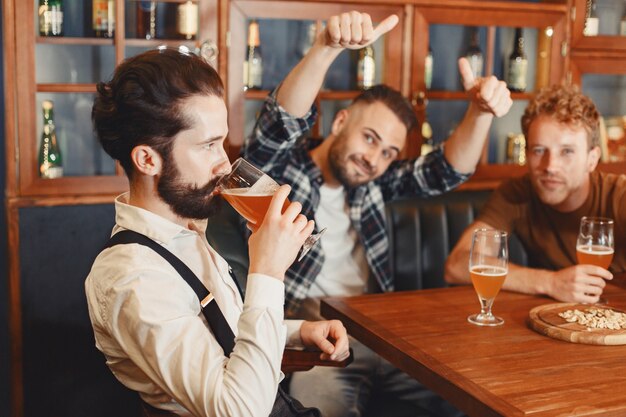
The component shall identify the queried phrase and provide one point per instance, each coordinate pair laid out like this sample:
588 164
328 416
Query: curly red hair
567 105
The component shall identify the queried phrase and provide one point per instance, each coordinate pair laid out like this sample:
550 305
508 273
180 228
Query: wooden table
508 370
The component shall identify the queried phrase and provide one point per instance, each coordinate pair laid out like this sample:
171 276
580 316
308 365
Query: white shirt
345 269
148 323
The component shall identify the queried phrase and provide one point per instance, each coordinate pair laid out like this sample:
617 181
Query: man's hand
579 283
274 245
354 30
489 94
329 336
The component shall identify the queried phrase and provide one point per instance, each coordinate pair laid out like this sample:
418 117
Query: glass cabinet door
498 39
285 32
63 52
609 94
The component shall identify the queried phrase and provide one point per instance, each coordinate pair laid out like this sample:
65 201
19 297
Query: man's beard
186 200
337 160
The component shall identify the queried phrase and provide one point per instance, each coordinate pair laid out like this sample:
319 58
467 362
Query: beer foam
263 187
595 250
488 270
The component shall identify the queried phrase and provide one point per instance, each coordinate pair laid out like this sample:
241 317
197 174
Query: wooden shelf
66 88
602 44
462 95
61 40
153 43
323 95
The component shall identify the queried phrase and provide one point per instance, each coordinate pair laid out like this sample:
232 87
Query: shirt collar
150 224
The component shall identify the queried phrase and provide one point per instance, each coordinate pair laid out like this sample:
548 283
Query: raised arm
577 283
353 30
489 98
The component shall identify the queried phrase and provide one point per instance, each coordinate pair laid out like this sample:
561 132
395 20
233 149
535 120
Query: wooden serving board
545 320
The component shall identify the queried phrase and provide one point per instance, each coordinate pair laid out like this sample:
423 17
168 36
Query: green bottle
50 161
50 17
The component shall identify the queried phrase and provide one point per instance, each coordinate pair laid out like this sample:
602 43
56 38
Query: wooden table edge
468 397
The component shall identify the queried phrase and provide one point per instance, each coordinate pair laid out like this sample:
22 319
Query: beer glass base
485 320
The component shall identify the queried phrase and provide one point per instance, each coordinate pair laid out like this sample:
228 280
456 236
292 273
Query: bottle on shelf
253 64
622 23
146 19
591 19
516 149
104 18
427 138
474 55
50 17
366 68
50 161
187 19
518 64
428 69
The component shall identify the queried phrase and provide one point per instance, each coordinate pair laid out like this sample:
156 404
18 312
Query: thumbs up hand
354 30
488 93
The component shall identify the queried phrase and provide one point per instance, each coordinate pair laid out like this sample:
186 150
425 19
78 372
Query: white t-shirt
345 268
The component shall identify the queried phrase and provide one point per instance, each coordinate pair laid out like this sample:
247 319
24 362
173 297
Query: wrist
545 283
479 112
267 270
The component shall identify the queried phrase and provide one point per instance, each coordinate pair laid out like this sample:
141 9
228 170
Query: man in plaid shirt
343 182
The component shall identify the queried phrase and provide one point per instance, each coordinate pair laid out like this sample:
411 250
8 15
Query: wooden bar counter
509 370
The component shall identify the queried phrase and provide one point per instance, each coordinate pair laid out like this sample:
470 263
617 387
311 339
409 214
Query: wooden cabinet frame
241 11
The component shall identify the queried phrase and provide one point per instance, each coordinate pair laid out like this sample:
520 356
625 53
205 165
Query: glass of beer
594 245
249 191
488 267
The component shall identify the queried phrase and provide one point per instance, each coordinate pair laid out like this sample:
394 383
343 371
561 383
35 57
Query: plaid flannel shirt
278 146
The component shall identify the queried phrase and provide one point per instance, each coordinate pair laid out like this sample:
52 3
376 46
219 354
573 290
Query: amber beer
595 255
487 280
252 206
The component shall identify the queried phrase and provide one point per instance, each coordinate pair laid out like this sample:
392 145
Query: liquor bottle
622 24
50 161
474 55
50 17
518 64
516 149
146 19
591 19
104 18
427 138
366 69
253 64
187 19
428 69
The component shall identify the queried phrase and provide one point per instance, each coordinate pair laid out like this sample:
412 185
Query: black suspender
222 331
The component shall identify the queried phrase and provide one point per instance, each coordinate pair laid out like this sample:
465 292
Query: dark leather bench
421 234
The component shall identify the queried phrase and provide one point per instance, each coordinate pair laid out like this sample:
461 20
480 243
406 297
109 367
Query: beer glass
488 267
594 245
249 191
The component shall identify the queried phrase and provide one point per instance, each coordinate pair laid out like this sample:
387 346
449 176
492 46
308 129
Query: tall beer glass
594 245
250 191
488 267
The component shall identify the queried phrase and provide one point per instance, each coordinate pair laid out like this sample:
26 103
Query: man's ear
340 120
593 158
147 161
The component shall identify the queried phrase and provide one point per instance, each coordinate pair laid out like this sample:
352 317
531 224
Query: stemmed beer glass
594 245
488 267
249 190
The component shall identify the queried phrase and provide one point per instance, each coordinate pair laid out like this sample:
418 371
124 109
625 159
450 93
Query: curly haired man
544 207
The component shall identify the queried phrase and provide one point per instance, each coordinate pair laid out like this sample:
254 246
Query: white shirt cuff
293 333
264 291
